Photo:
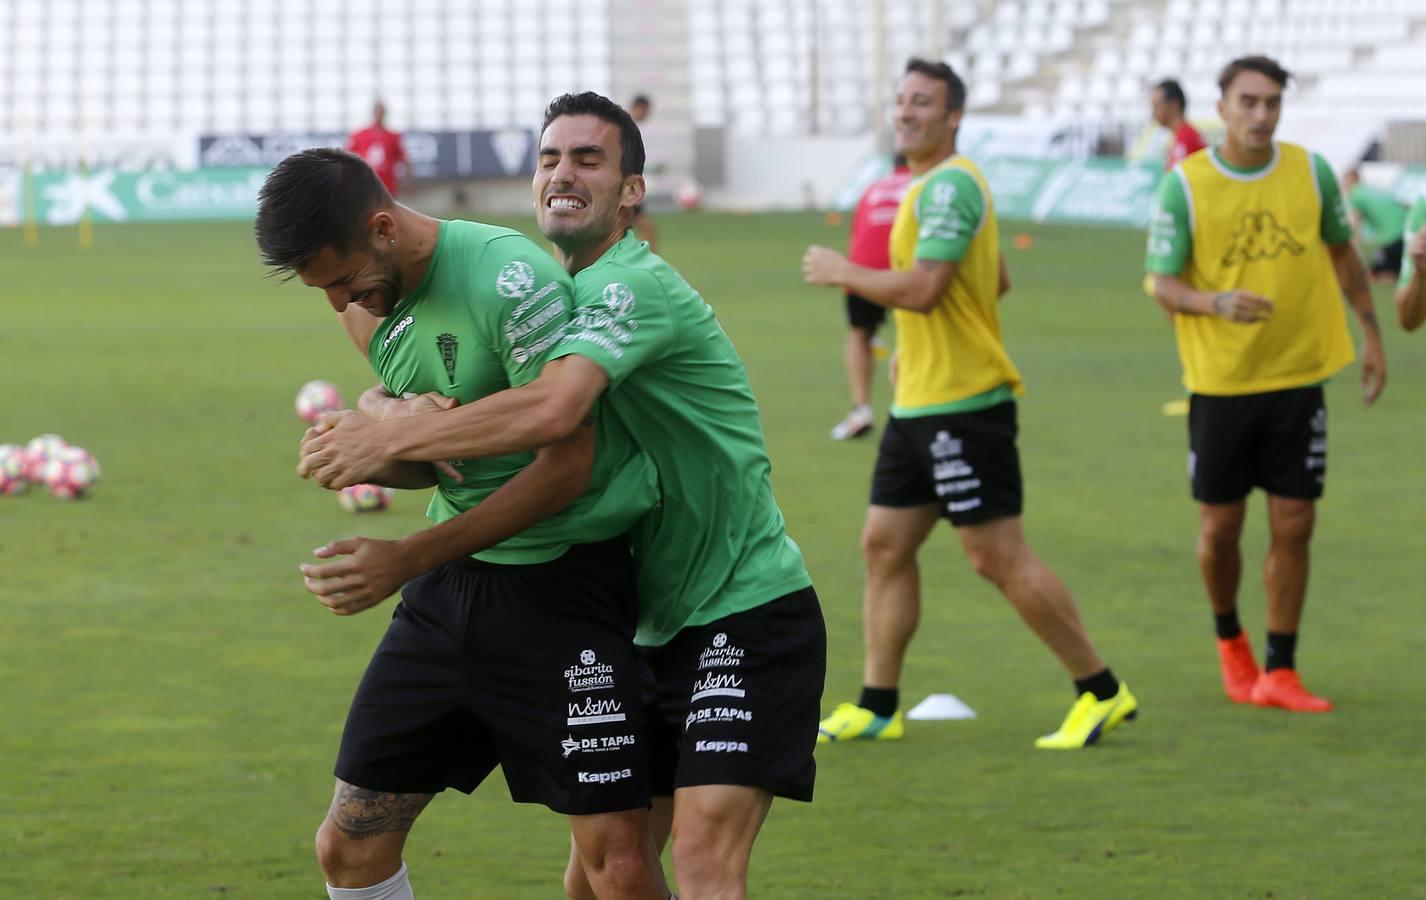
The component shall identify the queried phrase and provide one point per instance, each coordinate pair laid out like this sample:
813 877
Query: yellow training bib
1262 232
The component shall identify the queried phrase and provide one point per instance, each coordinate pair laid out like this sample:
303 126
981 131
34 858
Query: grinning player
1250 250
489 658
731 625
949 445
1411 287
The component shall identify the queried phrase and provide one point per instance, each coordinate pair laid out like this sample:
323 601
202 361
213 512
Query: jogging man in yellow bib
949 445
1250 249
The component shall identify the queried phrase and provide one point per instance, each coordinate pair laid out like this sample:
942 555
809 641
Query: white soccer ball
364 498
14 470
71 474
315 398
39 451
689 195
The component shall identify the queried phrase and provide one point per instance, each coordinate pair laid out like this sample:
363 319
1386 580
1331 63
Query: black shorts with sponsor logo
529 667
862 313
1276 441
737 701
965 463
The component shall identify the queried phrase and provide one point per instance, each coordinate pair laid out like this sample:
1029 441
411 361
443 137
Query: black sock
1102 685
1282 648
882 701
1227 624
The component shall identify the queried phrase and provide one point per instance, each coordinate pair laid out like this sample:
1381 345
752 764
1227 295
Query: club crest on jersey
619 299
1259 236
448 345
515 280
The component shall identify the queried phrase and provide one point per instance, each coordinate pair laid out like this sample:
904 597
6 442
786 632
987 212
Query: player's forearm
511 421
1357 286
540 490
1411 301
405 476
910 289
1176 296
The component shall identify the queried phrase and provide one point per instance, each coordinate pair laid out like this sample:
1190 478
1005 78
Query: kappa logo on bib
1259 237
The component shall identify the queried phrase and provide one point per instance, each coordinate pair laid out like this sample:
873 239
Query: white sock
397 887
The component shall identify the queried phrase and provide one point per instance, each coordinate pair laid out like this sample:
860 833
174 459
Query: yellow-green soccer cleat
1090 719
849 722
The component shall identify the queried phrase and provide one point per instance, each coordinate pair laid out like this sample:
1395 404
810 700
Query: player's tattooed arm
1353 279
361 814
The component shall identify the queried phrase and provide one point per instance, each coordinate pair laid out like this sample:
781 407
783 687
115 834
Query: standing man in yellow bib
949 445
1251 249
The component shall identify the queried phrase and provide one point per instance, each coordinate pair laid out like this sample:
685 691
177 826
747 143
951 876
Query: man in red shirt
381 149
869 246
1168 104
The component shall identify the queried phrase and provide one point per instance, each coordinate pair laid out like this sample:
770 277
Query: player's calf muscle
360 813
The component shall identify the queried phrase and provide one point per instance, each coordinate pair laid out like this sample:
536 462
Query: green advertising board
63 198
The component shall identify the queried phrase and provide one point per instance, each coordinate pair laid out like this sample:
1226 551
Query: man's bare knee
360 841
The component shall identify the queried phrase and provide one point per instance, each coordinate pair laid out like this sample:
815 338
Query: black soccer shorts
531 667
965 463
1276 441
737 701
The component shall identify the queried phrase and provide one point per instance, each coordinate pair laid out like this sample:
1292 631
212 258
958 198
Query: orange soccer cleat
1240 670
1283 688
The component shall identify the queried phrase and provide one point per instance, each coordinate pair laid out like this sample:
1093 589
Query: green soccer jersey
484 318
1415 221
1382 214
718 545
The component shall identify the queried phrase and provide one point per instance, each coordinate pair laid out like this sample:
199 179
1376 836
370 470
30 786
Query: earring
392 242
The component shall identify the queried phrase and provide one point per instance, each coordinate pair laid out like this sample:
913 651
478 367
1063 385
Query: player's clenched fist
822 265
1242 306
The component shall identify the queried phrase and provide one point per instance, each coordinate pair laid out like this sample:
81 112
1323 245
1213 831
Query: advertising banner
62 198
509 152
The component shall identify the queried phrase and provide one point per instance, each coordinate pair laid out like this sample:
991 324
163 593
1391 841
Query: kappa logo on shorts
595 712
591 676
1319 421
720 747
713 685
945 446
716 714
572 745
605 777
720 655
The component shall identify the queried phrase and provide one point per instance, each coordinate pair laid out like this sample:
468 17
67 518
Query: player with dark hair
732 629
949 446
518 611
1169 107
868 246
1251 250
1411 285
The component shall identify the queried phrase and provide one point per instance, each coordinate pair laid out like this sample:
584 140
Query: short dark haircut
1173 93
1263 65
314 199
631 141
955 88
641 99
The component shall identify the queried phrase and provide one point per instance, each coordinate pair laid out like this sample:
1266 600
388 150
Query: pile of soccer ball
70 473
315 398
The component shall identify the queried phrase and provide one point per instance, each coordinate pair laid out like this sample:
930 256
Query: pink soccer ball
71 474
14 469
364 498
315 398
39 451
688 195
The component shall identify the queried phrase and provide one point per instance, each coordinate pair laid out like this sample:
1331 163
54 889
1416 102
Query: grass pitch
173 698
